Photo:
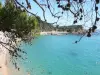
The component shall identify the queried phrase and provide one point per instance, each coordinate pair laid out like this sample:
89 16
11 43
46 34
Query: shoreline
61 33
53 33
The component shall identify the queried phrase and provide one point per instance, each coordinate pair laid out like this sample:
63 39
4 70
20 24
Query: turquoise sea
59 55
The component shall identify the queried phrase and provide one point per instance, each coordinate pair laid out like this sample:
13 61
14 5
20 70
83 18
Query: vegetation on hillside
44 26
16 23
71 28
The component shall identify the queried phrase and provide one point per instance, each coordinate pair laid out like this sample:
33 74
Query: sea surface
59 55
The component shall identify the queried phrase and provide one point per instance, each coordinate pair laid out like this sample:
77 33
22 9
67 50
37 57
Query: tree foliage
15 23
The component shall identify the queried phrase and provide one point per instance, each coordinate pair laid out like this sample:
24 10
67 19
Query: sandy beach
3 55
53 33
6 67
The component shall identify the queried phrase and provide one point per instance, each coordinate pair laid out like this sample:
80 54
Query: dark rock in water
73 54
49 72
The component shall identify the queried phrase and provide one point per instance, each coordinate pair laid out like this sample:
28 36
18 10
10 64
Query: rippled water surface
59 55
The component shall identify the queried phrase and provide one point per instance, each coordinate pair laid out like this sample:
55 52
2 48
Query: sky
67 18
49 17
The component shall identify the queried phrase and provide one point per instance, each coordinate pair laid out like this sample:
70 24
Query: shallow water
59 55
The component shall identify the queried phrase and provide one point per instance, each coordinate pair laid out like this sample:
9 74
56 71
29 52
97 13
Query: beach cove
58 55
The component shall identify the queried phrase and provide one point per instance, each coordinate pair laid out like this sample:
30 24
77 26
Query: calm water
58 55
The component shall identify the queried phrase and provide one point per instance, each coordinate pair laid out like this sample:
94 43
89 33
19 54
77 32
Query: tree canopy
16 24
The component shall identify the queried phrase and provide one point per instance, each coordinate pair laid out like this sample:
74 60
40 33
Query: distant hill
76 29
44 26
